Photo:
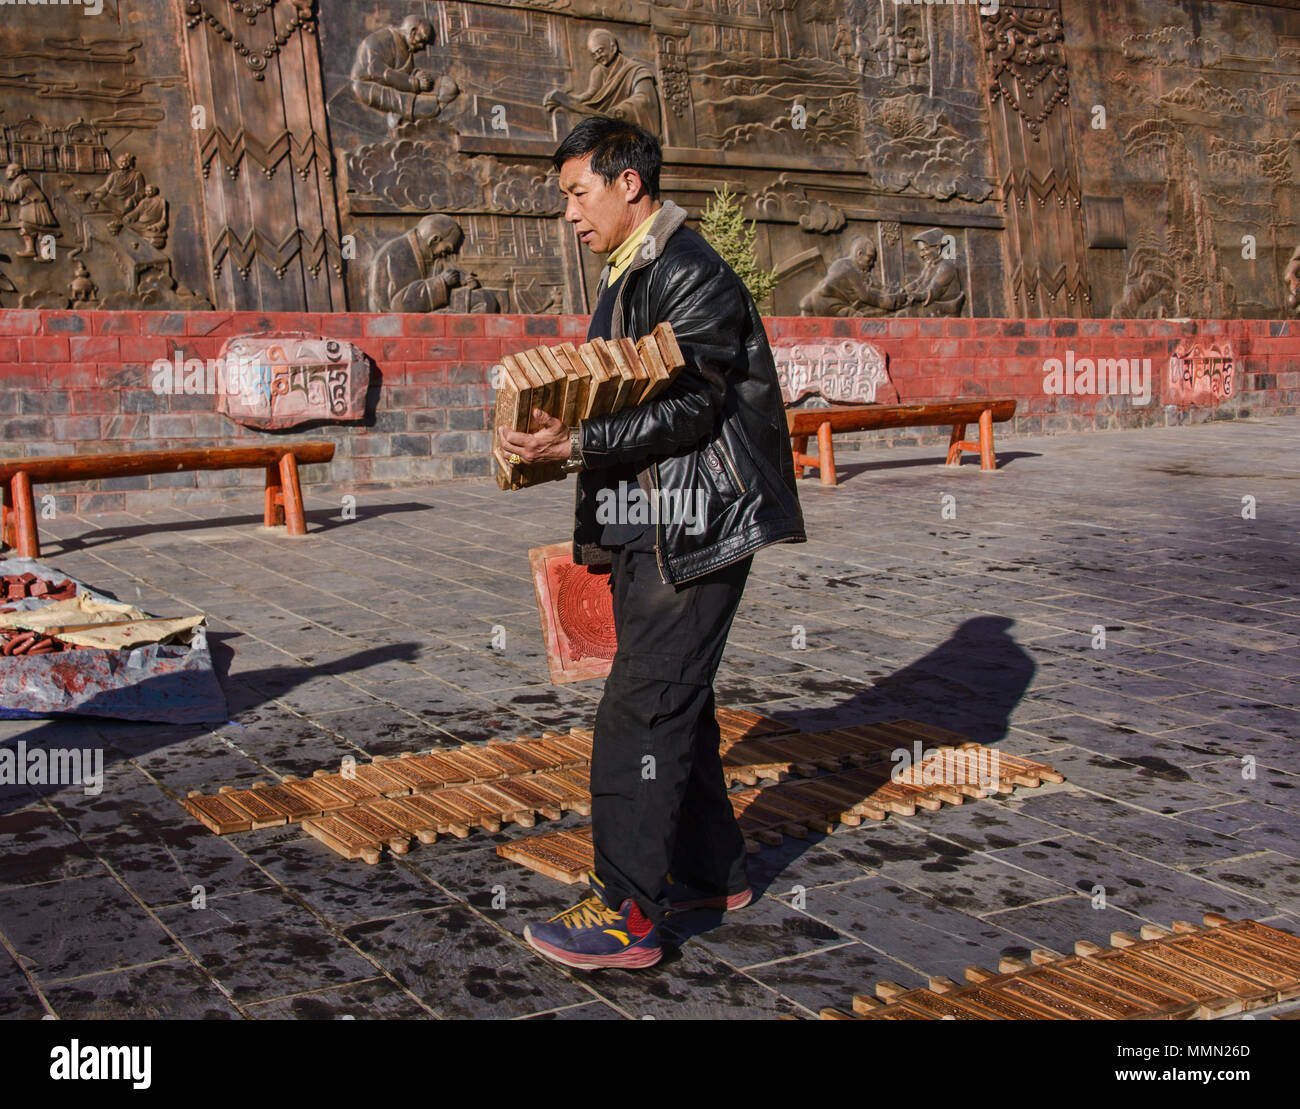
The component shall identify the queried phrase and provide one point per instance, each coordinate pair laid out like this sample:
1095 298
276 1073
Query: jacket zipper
731 466
659 535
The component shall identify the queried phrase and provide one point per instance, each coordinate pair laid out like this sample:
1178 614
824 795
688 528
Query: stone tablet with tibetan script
845 372
283 382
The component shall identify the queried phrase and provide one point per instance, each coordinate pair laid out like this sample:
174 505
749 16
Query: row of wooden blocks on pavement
1191 972
293 800
360 832
820 804
957 762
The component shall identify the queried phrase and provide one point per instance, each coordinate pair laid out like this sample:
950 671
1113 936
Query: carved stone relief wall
99 194
1202 108
897 158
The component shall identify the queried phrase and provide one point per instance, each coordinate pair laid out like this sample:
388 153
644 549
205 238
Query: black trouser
658 798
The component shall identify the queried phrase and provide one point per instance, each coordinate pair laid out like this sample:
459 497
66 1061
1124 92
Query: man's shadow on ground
969 684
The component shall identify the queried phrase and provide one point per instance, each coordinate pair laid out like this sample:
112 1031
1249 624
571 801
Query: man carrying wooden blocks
675 494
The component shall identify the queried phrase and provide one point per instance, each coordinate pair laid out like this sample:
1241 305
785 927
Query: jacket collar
667 220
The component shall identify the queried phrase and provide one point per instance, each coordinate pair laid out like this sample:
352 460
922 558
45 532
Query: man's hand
549 443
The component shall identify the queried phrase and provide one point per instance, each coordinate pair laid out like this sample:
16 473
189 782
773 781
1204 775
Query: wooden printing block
1229 983
604 383
523 388
294 806
578 780
445 770
379 780
810 814
315 792
409 775
624 381
575 742
843 806
926 797
576 842
537 853
480 814
583 735
1159 976
491 795
567 385
1283 945
833 789
580 378
261 812
529 796
479 769
556 794
424 767
501 757
555 755
1003 1006
1154 1000
631 367
371 823
522 754
647 351
1105 1004
883 739
350 788
1211 999
1029 990
547 395
530 397
752 723
396 811
878 790
756 818
215 814
1237 961
444 818
943 1005
344 838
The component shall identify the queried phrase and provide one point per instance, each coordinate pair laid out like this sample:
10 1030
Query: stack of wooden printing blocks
575 384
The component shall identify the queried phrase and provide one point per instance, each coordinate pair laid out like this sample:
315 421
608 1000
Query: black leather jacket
717 435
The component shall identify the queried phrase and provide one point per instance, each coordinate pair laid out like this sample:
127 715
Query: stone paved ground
373 636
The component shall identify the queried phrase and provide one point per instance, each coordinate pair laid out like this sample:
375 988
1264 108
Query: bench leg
988 460
825 455
273 512
800 443
22 517
294 520
955 444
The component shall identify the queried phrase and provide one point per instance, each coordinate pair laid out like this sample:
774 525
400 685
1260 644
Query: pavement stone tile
174 990
459 965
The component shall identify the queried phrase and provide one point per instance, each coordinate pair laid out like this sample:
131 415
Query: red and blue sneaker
591 935
684 898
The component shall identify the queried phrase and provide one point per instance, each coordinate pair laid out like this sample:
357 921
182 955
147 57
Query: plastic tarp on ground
168 683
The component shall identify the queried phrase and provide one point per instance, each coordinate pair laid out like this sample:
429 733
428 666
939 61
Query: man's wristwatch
574 462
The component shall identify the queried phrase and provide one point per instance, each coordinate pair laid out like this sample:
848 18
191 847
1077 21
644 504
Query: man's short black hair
614 145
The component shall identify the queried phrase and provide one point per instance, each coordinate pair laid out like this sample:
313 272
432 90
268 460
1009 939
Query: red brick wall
80 381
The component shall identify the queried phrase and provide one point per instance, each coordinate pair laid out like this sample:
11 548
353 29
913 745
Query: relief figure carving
620 87
35 217
846 290
937 291
411 273
385 76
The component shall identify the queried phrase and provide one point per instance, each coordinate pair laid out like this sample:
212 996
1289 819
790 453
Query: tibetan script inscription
848 372
1201 374
283 382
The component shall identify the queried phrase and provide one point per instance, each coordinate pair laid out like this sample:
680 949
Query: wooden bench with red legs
283 504
825 422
